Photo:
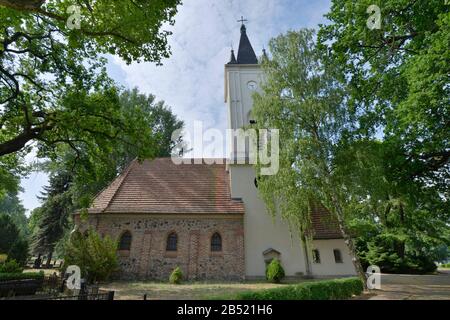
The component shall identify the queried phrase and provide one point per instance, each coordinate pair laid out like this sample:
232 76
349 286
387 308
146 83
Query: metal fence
49 288
97 296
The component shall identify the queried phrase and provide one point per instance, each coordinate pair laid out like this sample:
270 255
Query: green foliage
73 187
445 265
53 214
8 233
11 242
321 290
3 257
12 206
159 118
358 135
303 99
10 266
96 256
397 80
54 89
275 272
21 276
176 276
19 251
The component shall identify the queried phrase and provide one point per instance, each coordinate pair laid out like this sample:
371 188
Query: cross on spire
242 20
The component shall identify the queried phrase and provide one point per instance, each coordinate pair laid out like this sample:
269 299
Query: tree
11 242
12 206
398 80
96 256
54 214
48 71
8 233
155 123
160 118
73 187
302 98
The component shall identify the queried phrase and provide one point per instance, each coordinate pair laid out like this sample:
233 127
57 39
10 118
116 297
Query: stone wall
148 258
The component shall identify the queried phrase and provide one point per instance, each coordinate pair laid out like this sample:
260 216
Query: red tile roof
160 186
324 224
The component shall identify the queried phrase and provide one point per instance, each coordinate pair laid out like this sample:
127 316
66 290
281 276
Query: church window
316 256
172 241
337 256
125 241
216 242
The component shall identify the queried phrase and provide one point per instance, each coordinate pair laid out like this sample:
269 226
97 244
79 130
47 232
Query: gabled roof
324 224
160 186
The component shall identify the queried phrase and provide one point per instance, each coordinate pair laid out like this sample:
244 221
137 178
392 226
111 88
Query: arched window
125 241
216 242
172 240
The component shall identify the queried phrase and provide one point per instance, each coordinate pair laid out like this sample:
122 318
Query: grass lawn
135 290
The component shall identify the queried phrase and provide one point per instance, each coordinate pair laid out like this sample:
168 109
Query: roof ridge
123 175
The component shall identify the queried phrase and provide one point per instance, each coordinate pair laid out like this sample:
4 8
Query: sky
191 81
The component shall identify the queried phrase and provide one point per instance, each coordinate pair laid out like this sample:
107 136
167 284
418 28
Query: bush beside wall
321 290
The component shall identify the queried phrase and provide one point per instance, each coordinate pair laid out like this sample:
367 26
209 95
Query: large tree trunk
308 272
49 260
349 242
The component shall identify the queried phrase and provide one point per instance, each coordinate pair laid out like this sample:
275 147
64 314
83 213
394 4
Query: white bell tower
265 237
262 235
243 76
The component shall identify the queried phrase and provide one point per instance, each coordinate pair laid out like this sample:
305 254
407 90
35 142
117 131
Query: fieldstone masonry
148 258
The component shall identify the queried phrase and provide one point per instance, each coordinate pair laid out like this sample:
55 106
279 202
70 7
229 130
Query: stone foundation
148 258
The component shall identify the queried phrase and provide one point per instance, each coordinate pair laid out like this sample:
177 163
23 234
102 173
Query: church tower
242 79
264 237
267 237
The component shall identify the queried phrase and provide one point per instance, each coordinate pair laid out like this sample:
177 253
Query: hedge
321 290
21 276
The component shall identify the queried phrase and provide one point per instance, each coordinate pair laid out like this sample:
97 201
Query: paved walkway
413 287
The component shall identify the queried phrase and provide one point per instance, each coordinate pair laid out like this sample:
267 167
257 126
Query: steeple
232 58
246 54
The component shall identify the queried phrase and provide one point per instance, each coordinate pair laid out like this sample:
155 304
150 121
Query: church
208 219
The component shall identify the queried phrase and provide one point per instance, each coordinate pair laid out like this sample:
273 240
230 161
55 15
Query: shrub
10 266
3 257
96 256
8 233
320 290
21 276
445 265
176 276
19 252
275 272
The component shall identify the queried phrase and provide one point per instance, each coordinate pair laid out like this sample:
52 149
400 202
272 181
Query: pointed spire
246 54
264 55
232 58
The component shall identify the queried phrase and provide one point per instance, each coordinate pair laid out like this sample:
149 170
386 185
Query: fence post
111 295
